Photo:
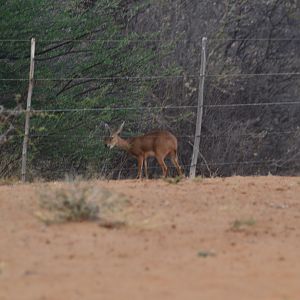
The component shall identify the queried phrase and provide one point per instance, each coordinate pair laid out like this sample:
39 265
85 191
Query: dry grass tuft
76 202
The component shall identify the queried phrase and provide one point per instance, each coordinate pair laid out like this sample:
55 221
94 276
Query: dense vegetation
100 56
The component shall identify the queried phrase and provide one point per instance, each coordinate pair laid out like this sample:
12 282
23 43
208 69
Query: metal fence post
199 110
27 116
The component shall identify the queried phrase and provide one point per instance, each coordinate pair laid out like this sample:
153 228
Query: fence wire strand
274 162
150 40
261 134
152 77
63 110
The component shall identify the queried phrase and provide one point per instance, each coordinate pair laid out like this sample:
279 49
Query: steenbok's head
112 140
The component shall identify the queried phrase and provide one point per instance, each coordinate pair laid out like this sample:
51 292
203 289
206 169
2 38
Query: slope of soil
235 238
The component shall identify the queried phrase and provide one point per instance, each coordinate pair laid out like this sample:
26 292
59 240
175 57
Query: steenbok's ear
120 128
108 128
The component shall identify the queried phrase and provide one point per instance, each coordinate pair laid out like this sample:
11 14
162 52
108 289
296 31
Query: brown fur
159 144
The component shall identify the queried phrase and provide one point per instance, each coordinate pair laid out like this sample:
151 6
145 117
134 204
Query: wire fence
165 77
52 141
148 40
233 105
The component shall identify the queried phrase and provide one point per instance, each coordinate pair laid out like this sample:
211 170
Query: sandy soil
235 238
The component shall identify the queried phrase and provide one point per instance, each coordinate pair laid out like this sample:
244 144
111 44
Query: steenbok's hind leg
163 166
175 162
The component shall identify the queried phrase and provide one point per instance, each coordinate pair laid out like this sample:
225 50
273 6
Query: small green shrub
205 254
242 224
174 180
198 179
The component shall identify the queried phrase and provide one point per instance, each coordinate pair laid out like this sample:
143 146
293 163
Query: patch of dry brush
77 202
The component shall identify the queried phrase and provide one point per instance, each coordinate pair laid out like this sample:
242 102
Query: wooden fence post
27 116
199 110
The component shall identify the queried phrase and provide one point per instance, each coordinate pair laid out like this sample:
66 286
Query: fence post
199 110
27 115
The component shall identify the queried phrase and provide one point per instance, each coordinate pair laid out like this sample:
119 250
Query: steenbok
160 144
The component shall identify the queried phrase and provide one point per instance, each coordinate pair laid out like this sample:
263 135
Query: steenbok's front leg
146 167
140 167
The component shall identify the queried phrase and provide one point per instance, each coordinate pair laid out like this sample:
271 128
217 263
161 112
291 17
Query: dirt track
237 238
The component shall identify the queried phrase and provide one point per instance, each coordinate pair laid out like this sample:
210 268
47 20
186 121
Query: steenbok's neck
123 144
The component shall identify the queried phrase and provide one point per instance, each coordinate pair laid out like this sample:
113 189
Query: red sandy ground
156 255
